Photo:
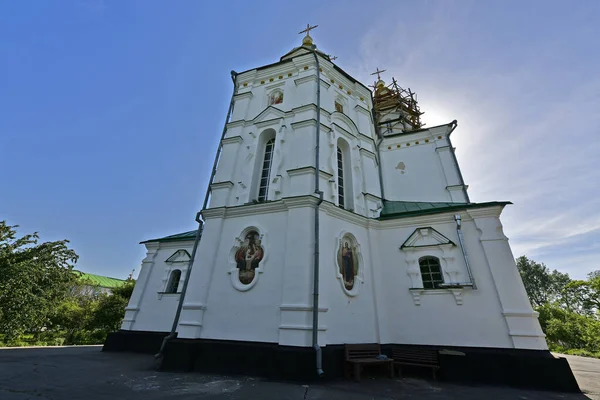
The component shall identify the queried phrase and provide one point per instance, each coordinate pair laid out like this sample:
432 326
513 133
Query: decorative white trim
173 257
193 306
420 235
221 185
526 334
234 271
190 323
232 140
243 95
163 294
359 278
418 292
520 314
301 327
305 79
300 307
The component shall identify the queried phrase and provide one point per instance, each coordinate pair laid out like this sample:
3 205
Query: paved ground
87 373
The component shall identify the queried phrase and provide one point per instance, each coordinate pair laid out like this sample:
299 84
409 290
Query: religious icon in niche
248 256
348 262
276 97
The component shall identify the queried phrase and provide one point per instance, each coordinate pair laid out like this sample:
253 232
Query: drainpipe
315 327
377 145
460 177
464 250
173 333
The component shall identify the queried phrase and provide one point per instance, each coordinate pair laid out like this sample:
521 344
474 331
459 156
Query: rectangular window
263 189
340 171
431 272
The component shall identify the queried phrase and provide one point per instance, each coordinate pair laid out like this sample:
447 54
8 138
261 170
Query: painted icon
248 257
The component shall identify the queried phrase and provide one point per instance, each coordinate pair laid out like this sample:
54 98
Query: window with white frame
263 189
431 272
173 283
340 171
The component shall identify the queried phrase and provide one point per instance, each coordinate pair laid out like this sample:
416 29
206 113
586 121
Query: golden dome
380 83
307 41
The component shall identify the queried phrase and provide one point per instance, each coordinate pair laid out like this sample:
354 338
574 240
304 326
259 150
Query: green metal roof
190 235
99 280
401 209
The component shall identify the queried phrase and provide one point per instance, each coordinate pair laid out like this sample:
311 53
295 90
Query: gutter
173 333
377 145
460 177
315 310
464 250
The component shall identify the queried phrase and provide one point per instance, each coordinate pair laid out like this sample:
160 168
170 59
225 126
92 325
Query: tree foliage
34 277
568 309
42 301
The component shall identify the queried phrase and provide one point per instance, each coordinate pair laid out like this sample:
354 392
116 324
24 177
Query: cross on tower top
378 72
308 29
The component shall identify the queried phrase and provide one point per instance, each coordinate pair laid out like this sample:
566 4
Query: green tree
109 313
75 313
542 286
34 279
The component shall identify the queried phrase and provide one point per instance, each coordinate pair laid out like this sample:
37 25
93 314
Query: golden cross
378 72
308 29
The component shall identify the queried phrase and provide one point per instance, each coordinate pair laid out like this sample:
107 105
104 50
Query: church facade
335 217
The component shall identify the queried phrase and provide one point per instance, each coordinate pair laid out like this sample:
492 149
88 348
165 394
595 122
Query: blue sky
110 111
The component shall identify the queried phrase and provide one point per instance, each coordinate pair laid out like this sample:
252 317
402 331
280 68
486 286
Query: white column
523 325
139 290
194 304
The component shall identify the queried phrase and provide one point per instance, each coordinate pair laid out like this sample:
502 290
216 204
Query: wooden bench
417 357
359 355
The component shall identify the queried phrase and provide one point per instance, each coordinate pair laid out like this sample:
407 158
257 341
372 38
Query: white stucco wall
387 303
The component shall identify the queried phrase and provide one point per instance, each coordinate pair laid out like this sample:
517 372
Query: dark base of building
535 369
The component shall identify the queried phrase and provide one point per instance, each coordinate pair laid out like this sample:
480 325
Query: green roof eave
99 280
190 235
404 209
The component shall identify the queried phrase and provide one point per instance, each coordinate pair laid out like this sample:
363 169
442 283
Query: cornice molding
239 96
305 79
308 170
367 153
232 140
309 122
221 185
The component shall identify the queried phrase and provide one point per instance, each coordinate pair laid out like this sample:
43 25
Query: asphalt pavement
84 372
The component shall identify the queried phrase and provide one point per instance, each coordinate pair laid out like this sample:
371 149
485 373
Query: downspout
460 177
173 333
377 145
464 250
315 311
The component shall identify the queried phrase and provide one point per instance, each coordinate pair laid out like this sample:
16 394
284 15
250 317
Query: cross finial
332 57
308 29
378 72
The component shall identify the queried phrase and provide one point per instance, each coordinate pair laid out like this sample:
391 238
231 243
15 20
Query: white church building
335 216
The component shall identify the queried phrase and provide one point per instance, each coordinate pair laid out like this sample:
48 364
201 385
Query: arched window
173 281
344 176
340 171
263 188
431 272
